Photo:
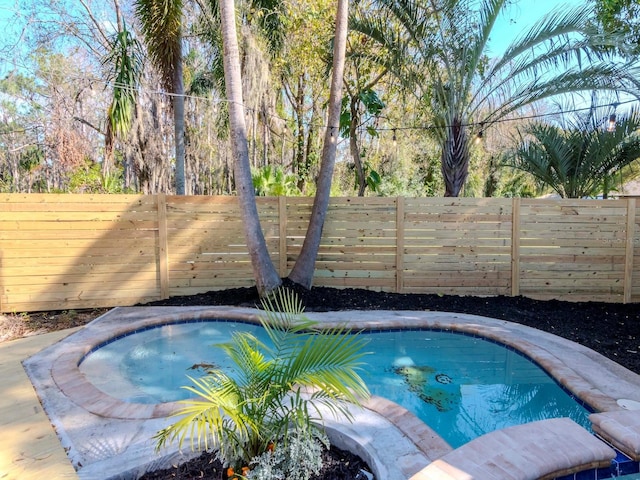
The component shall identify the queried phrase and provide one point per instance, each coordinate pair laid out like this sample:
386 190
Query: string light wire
393 128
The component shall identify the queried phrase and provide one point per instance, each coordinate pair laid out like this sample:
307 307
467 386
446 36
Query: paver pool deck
104 436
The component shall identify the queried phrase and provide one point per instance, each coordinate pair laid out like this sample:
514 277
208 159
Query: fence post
399 244
282 223
628 254
163 254
515 246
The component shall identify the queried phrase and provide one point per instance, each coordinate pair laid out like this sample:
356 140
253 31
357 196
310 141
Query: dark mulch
336 465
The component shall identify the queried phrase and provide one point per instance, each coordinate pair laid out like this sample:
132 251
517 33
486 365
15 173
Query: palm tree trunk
265 274
455 158
178 122
302 272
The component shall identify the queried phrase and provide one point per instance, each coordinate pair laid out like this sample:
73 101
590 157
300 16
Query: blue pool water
461 386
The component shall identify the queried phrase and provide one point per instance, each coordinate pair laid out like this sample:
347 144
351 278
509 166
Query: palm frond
124 61
161 23
576 162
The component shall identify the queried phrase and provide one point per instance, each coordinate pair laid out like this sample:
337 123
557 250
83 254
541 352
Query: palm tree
125 62
266 276
273 389
580 159
161 22
302 272
446 45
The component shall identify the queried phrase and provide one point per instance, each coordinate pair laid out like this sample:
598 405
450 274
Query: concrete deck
104 437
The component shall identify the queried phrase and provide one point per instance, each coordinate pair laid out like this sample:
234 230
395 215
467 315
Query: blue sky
518 18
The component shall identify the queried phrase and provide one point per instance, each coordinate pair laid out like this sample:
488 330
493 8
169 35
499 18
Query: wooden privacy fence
78 251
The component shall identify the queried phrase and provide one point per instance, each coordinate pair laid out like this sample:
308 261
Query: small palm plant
270 395
580 159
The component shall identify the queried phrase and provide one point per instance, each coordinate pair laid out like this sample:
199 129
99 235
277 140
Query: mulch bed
336 465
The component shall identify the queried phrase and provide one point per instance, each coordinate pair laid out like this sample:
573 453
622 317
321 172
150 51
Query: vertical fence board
399 244
515 247
629 256
163 252
634 285
282 233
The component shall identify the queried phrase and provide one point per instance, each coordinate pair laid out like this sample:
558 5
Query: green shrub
269 397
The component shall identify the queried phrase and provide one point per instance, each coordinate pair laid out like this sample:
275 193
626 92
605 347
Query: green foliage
372 178
621 16
441 54
271 181
579 161
31 157
373 105
161 23
125 64
89 179
272 391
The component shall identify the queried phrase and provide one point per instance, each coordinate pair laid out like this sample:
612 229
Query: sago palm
273 387
579 160
446 44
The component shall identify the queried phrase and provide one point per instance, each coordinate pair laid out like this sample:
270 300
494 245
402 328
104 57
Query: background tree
161 23
621 16
581 158
124 60
466 92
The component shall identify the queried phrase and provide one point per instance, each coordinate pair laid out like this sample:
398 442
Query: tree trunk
265 274
178 122
353 146
298 167
304 267
455 158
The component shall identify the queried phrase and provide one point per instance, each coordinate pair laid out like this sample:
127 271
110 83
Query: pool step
621 428
538 450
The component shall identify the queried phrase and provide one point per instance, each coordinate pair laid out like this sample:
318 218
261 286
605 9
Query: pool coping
80 411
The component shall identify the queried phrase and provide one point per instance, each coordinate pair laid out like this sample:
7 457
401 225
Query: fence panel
358 244
457 246
573 249
206 242
76 251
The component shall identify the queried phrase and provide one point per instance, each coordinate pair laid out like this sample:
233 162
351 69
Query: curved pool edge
89 413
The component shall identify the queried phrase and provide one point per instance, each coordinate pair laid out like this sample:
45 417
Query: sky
518 18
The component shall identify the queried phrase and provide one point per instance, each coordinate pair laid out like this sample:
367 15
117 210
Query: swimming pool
462 386
105 436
